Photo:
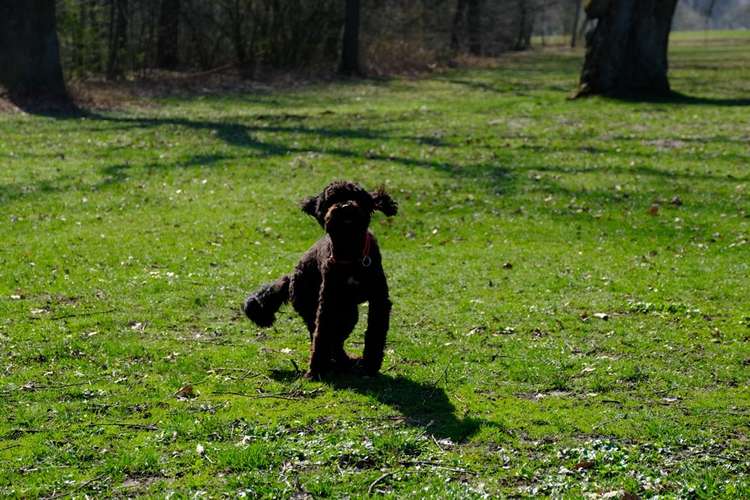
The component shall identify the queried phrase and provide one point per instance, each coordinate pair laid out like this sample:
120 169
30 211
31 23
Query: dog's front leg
378 319
320 352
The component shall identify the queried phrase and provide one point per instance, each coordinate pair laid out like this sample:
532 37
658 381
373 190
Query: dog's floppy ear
382 201
310 206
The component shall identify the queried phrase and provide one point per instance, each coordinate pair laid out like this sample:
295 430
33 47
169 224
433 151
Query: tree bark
458 22
118 40
525 26
350 42
626 51
474 27
576 22
30 68
168 34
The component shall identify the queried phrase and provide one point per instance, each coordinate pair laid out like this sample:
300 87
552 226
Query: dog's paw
255 311
311 375
362 368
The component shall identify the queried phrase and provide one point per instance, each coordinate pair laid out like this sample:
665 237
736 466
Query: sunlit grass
569 278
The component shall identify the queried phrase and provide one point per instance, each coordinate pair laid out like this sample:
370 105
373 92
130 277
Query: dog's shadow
420 404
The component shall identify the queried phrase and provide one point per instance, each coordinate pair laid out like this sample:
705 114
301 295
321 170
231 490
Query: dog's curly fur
342 270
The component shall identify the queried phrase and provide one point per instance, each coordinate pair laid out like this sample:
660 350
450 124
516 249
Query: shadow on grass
421 404
248 137
250 134
683 99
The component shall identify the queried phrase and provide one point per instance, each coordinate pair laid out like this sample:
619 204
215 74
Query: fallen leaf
584 465
476 329
186 392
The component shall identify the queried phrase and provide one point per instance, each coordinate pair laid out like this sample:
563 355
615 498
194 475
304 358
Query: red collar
366 261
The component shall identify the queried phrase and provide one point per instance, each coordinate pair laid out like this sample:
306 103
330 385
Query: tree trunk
525 26
118 40
350 42
168 34
474 27
576 22
30 68
458 21
626 52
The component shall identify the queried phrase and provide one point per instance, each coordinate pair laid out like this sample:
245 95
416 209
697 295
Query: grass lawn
570 281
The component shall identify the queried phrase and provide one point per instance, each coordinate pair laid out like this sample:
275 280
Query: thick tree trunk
626 52
168 34
350 42
474 27
30 68
576 22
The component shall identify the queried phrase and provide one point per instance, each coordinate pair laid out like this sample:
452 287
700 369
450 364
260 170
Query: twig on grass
436 384
14 433
294 364
142 427
74 315
31 386
288 396
437 466
246 374
372 485
79 487
436 442
254 396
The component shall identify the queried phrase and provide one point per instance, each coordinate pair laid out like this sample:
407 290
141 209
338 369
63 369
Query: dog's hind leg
261 306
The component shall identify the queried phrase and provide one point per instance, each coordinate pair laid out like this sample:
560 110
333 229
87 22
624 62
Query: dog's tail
262 305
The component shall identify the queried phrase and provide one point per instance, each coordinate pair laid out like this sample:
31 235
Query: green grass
611 355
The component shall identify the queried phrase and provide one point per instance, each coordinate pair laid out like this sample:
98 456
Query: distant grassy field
570 281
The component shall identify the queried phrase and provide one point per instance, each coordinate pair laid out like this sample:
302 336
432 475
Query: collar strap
366 260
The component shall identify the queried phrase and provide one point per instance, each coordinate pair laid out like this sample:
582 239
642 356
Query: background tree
30 68
169 34
457 26
474 26
525 25
350 42
626 52
118 38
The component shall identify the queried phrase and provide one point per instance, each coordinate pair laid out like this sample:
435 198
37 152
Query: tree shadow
422 405
675 97
246 136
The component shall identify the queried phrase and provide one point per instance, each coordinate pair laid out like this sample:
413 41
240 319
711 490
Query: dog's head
346 207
